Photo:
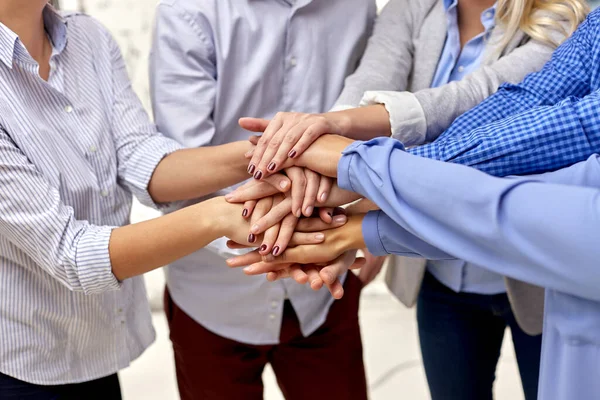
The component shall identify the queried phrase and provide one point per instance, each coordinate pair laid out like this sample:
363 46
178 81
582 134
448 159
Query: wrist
213 216
351 237
343 119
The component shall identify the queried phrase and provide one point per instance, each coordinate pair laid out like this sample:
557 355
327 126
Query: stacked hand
293 192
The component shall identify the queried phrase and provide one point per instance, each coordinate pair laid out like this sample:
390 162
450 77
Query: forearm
363 123
138 248
192 173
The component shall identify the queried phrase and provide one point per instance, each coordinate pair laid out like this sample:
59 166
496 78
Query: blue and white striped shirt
72 152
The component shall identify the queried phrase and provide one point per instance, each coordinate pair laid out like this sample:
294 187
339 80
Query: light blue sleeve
543 233
183 72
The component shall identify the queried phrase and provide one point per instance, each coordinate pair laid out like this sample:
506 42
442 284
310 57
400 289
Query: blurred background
389 329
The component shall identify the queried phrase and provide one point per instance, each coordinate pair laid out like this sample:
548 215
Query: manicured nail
248 269
320 236
254 228
251 238
276 250
258 175
284 184
308 210
299 213
263 247
340 219
329 213
251 169
272 166
245 213
323 197
292 154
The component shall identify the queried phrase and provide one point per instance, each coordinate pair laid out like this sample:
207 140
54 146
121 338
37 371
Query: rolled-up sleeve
33 218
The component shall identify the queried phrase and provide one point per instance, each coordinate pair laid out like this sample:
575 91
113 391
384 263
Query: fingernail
320 236
228 197
251 238
284 184
309 210
329 213
272 166
254 228
263 247
245 213
298 213
323 197
251 169
258 175
292 154
340 219
248 269
275 250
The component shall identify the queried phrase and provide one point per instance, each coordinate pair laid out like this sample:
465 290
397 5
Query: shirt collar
488 17
56 29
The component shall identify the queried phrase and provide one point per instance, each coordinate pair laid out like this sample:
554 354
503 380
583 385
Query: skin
185 174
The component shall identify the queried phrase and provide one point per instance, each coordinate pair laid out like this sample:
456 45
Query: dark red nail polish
251 238
245 213
275 250
263 247
292 154
251 169
258 175
272 166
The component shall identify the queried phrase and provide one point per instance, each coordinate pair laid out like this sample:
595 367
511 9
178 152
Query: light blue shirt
72 152
215 61
454 65
541 229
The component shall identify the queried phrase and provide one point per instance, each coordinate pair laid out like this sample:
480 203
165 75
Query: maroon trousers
326 365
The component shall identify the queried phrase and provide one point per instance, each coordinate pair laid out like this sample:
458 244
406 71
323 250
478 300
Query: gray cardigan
397 69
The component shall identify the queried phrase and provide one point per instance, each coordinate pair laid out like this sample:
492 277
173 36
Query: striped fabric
72 152
547 122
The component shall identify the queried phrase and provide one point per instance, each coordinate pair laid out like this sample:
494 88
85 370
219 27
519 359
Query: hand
336 242
286 135
319 275
371 268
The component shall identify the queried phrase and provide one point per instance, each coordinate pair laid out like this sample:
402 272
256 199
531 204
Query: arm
542 139
388 58
511 226
416 118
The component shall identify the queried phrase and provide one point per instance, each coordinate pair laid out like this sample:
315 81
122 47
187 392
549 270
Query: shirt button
93 149
461 69
120 310
293 62
274 304
488 15
272 317
122 322
104 193
69 109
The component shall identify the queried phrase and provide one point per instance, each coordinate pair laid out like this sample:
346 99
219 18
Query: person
428 62
539 229
75 144
211 63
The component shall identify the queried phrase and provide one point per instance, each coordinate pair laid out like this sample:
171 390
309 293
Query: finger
272 217
278 275
286 232
337 268
298 274
254 124
311 134
271 234
235 245
315 281
260 210
265 165
263 142
325 186
254 139
278 181
248 155
336 289
326 214
253 190
317 225
245 259
262 267
301 239
313 181
287 142
358 263
248 208
298 188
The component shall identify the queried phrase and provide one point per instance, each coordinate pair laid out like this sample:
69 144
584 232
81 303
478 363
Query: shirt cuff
142 164
407 118
341 107
343 171
370 229
92 260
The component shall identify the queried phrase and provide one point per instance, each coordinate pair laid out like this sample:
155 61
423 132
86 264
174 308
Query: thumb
254 124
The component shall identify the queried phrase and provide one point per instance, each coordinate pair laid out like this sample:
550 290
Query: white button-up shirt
215 61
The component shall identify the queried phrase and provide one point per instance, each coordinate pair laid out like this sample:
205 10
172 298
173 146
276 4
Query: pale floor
391 356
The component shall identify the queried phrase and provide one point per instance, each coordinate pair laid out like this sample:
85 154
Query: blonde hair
539 19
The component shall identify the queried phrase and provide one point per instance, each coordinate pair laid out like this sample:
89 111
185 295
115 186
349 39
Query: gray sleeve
388 58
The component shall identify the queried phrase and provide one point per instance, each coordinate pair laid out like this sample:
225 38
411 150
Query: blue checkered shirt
549 121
